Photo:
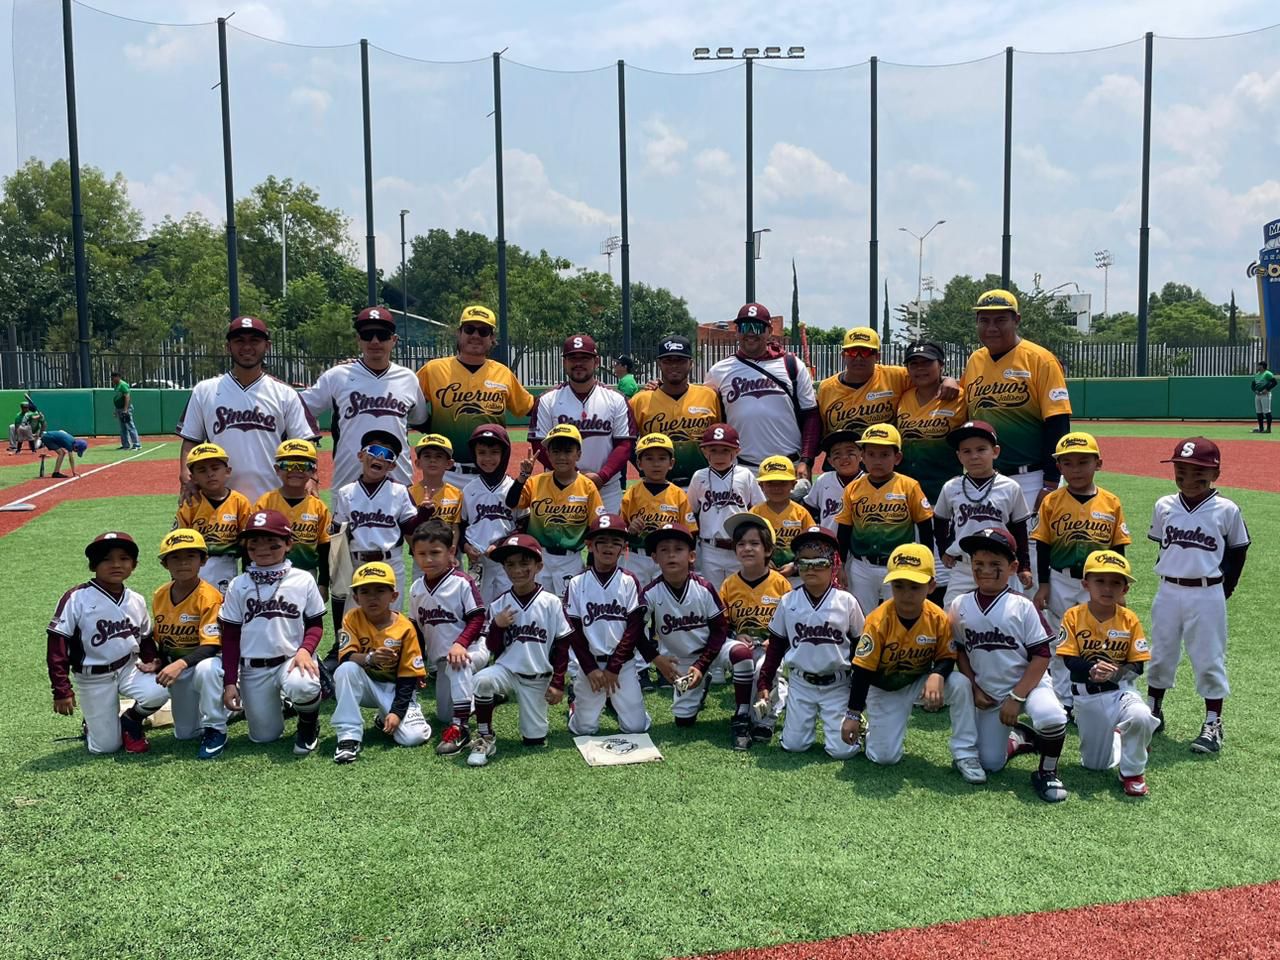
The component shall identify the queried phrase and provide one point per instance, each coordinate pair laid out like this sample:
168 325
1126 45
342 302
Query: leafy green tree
830 335
1045 319
1119 327
314 232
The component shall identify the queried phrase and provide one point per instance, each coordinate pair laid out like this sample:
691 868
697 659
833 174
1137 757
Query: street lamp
404 275
756 238
920 267
1103 260
284 262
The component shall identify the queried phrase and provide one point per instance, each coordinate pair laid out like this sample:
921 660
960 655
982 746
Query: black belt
533 676
821 679
465 468
1193 581
875 559
723 543
100 668
1079 689
1025 468
557 551
258 662
368 556
1075 572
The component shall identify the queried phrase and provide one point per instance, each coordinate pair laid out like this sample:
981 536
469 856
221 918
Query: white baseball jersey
99 628
362 400
441 612
825 497
681 622
538 625
373 518
1001 640
716 496
759 408
975 505
1193 541
485 510
602 417
603 606
270 604
249 423
819 637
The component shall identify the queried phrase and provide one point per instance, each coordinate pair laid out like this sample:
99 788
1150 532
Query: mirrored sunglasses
380 452
863 353
295 466
813 563
381 334
753 327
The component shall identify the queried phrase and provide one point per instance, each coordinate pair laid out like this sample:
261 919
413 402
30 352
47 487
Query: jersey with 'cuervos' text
461 399
559 516
271 605
882 516
1016 394
602 605
360 636
670 505
484 507
1118 639
817 635
683 419
309 518
787 525
926 455
538 626
99 628
680 620
825 497
974 505
602 417
750 606
249 423
898 654
219 523
759 407
1193 540
1000 640
362 399
1072 530
447 501
180 627
373 517
716 496
441 610
843 407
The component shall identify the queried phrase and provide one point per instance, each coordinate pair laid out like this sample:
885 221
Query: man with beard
677 408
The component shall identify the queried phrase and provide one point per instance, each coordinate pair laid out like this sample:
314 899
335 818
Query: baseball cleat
308 735
1210 739
761 733
1022 739
348 751
1159 715
646 681
1134 786
212 744
740 728
1048 786
483 746
453 740
135 741
970 769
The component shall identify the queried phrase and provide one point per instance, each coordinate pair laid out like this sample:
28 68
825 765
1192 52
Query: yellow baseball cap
655 441
776 468
884 434
860 337
1078 442
474 313
184 538
433 441
1108 561
563 431
994 300
371 573
296 450
206 451
911 561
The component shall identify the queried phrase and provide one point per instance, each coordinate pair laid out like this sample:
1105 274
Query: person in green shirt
623 368
123 402
1264 381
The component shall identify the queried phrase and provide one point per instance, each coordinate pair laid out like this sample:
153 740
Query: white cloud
317 101
927 173
172 193
1116 91
664 147
714 162
793 173
1036 161
1261 90
164 48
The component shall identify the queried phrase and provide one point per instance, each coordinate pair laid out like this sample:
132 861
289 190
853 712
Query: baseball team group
839 553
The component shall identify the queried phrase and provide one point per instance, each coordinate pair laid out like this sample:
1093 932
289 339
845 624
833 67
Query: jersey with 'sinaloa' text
461 399
882 515
681 619
750 605
1073 529
756 398
309 518
485 509
974 505
1118 639
716 496
999 640
441 610
100 628
899 654
559 516
825 497
602 606
220 524
373 516
191 622
272 606
683 419
602 417
538 626
1193 540
843 407
816 636
1016 394
359 635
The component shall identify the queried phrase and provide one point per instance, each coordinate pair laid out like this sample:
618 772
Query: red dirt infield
1244 462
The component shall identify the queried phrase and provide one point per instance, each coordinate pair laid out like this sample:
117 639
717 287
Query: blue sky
147 110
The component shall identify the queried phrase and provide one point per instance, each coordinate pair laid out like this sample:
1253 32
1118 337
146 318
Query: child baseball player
449 613
653 501
606 611
813 631
906 652
380 665
1102 644
844 463
559 505
187 640
1003 647
272 619
217 511
717 492
442 499
777 480
485 514
94 638
881 510
529 640
1202 541
308 515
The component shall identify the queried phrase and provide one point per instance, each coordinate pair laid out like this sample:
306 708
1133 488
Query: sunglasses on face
476 330
753 328
381 334
380 453
295 466
862 353
813 563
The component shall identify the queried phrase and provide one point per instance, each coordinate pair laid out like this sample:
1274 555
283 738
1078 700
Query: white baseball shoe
483 746
970 769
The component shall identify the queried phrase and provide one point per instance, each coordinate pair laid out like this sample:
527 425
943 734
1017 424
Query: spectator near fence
678 408
1264 381
122 400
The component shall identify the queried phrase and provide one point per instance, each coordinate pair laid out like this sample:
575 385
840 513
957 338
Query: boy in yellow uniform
653 501
881 510
217 511
777 479
308 515
435 458
380 665
1103 646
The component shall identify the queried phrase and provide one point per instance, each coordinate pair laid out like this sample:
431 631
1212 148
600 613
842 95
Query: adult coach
369 393
468 389
678 408
767 395
1264 381
600 414
1018 387
246 411
122 400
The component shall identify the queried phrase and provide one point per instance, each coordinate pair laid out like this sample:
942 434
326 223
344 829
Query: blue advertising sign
1268 276
1271 235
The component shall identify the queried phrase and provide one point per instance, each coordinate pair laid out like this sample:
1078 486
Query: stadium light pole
1104 261
920 268
404 270
284 244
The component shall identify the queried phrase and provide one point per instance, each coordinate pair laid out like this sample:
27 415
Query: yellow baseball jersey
220 525
898 654
1072 530
926 455
845 408
559 516
310 519
1119 639
883 516
181 627
655 509
1016 394
683 419
448 501
358 635
461 400
750 606
787 525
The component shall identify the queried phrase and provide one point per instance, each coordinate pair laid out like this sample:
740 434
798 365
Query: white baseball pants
1262 402
642 565
99 695
689 703
627 700
529 695
1198 617
1065 592
807 702
456 685
611 494
493 580
220 570
195 699
1102 718
715 563
558 569
353 689
396 563
1044 711
866 583
889 710
260 692
961 581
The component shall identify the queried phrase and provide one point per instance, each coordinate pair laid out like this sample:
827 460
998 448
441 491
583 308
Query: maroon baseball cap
103 542
376 316
267 523
516 543
580 343
669 531
248 325
490 432
1200 451
992 538
971 428
720 433
607 523
753 313
815 534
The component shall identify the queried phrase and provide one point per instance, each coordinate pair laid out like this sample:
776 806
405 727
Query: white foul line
63 483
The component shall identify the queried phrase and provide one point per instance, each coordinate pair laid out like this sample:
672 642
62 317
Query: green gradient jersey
309 518
461 399
683 419
1016 394
883 516
926 455
1073 528
559 516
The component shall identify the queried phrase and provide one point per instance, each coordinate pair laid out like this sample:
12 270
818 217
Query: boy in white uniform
486 517
716 493
843 464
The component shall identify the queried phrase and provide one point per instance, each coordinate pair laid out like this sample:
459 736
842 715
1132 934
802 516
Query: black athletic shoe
308 735
646 681
1048 786
740 728
760 733
348 751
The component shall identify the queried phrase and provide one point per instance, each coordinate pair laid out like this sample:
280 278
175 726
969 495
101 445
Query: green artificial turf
405 854
1174 429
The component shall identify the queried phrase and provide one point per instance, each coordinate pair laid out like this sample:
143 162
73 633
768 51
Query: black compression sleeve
404 693
1232 567
1042 562
1079 668
924 533
858 689
844 536
1019 530
1054 429
943 668
943 534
